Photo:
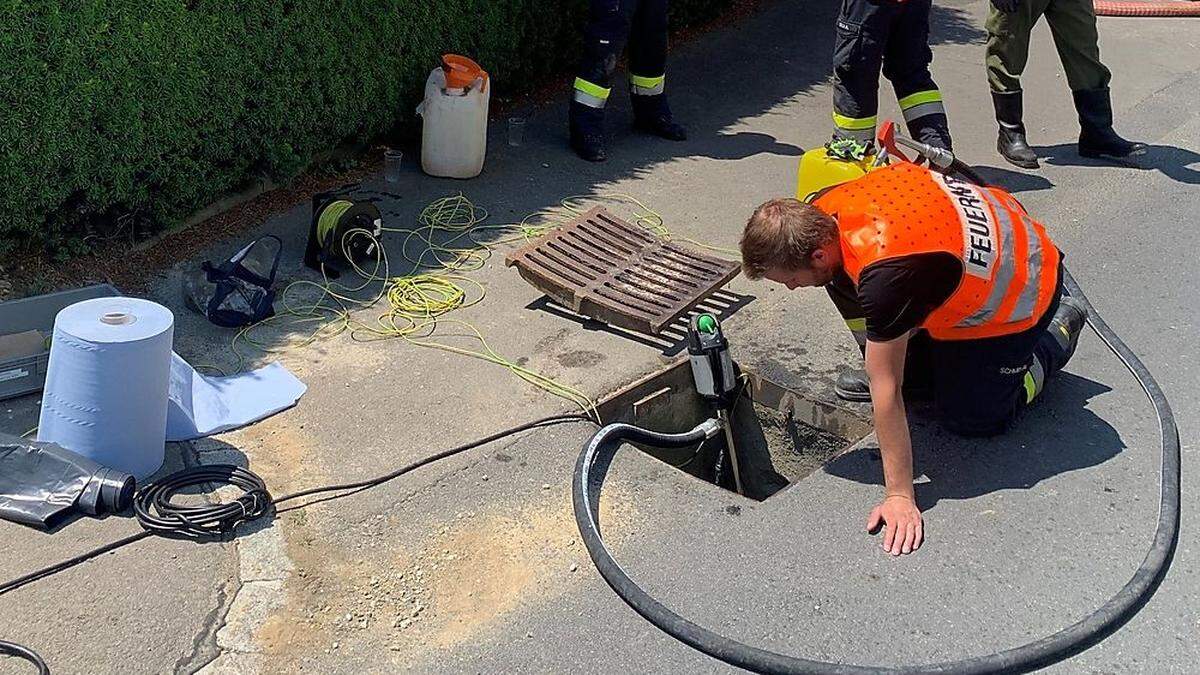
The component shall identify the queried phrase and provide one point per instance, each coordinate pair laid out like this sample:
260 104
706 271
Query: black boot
652 115
1097 139
932 130
1066 326
853 385
1011 143
587 132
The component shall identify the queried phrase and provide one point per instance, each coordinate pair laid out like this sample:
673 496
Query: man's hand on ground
903 530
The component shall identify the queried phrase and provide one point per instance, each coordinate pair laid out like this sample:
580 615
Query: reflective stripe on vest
1009 264
980 251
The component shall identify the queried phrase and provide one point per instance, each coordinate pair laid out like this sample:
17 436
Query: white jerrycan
454 118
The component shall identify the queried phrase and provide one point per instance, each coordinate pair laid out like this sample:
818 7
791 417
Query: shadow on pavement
673 338
1057 436
1178 164
1013 181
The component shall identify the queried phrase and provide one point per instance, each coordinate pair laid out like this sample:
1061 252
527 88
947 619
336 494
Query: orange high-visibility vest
1010 266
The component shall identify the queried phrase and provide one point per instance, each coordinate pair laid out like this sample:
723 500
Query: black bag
238 292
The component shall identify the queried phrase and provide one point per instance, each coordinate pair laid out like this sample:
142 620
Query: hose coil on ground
158 512
598 454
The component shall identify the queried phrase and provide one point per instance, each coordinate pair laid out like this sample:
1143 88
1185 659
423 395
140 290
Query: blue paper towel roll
106 384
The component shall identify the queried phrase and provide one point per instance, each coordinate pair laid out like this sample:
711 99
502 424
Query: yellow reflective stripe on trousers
592 95
647 86
928 96
1030 387
856 325
854 123
858 128
1035 377
922 103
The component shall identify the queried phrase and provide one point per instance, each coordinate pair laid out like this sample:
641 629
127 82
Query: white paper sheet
201 406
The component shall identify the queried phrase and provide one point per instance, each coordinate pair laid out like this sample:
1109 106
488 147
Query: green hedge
135 113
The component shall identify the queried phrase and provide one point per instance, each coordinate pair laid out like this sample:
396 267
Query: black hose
157 512
18 651
968 171
159 515
597 455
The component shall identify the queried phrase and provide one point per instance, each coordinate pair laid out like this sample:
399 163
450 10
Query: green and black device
716 382
344 232
712 367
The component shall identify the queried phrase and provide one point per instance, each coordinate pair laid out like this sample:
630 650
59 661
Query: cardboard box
22 322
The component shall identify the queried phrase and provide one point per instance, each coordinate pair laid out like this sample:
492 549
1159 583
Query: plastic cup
391 165
516 131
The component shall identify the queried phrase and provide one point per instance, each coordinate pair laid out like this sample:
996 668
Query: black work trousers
978 386
613 23
887 36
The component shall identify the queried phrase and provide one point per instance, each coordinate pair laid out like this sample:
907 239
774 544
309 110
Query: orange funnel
461 71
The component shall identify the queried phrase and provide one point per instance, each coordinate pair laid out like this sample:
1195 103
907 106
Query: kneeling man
949 288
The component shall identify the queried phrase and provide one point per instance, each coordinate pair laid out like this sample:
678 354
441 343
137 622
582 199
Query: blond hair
783 234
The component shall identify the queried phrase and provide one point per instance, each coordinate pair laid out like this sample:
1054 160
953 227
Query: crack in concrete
204 645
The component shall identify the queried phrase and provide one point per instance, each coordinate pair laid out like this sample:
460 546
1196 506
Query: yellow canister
818 170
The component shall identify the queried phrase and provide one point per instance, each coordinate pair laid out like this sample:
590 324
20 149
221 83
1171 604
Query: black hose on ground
21 652
159 514
598 454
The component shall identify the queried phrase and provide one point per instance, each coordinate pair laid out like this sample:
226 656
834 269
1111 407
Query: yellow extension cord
416 303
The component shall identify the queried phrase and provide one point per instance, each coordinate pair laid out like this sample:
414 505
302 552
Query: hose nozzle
939 157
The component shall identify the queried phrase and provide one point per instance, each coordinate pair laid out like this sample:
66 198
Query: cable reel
336 219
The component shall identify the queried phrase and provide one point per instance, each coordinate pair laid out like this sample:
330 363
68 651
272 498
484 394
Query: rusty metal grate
602 267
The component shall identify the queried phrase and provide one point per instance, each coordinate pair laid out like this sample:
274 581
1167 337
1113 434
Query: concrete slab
474 563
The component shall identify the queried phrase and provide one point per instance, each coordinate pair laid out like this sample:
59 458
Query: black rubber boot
932 130
587 132
1097 139
1011 143
1065 327
652 115
853 385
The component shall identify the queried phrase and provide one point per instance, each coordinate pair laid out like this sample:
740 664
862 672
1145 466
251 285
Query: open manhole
780 436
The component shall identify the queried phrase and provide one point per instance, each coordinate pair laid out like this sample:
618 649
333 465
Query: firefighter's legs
604 39
1073 26
647 72
906 62
981 385
862 30
1008 43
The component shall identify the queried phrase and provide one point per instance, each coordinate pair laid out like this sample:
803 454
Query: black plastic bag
238 292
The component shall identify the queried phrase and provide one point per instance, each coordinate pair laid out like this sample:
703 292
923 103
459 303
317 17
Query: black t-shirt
897 294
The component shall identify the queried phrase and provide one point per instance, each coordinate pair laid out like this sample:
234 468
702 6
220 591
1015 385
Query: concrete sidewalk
474 563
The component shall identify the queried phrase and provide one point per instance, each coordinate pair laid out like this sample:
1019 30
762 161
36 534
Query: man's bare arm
898 510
